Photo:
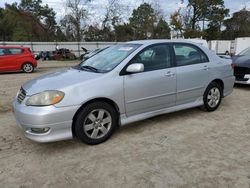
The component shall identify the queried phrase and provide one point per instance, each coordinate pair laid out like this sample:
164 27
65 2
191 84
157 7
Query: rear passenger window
14 51
187 55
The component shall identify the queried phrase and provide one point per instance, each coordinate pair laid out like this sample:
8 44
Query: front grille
21 96
240 72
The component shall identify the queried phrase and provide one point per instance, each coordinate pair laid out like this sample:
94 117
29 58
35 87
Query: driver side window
154 58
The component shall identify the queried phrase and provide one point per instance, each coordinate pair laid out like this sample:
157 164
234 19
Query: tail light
232 65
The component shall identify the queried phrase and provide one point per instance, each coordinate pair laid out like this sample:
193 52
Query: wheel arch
220 82
25 63
100 99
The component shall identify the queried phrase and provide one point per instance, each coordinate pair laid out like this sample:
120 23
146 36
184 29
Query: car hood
58 80
241 61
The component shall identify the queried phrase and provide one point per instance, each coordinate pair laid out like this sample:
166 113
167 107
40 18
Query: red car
13 58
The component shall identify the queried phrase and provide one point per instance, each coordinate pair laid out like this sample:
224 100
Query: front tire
95 123
28 68
212 97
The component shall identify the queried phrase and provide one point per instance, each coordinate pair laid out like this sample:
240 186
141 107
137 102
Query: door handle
206 68
170 74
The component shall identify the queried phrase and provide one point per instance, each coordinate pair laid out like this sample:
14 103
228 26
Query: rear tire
212 97
95 123
28 68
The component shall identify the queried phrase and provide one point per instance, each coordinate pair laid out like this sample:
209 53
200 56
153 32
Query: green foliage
192 33
124 32
95 34
29 20
177 22
198 14
142 24
142 21
209 10
162 30
238 25
213 32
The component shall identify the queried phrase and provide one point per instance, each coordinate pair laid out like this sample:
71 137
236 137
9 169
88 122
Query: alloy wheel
97 123
213 97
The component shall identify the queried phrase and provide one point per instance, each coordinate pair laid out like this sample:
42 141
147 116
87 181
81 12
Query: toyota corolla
122 84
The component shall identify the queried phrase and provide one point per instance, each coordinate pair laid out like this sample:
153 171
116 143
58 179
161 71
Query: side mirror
135 68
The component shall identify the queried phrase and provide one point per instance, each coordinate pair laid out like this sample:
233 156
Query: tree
162 30
32 22
113 17
177 22
142 21
72 23
238 25
42 13
124 32
208 10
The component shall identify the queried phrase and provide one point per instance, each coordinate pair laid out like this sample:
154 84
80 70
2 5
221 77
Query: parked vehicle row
242 67
60 54
119 85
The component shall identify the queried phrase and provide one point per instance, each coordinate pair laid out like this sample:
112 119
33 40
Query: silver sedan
122 84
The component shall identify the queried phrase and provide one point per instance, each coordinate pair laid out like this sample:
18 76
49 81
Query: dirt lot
186 149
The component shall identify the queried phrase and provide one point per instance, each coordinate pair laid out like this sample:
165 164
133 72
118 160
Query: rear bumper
56 121
228 85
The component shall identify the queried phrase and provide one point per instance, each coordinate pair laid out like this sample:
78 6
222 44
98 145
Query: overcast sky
98 6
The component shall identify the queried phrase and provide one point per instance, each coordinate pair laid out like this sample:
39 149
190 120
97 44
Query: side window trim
172 64
10 53
188 44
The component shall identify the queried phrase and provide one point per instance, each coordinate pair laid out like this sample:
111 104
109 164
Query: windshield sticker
125 49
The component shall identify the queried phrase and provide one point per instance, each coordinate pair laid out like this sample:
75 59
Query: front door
155 88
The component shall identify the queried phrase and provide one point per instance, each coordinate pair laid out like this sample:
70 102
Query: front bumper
245 80
57 121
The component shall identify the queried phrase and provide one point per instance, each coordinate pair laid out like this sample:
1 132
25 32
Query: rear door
15 58
192 72
155 88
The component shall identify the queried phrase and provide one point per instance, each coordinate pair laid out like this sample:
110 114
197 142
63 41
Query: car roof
212 56
157 41
21 47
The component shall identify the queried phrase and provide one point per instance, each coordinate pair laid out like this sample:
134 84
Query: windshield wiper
87 67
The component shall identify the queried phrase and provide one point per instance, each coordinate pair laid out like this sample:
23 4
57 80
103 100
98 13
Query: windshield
109 58
95 52
245 52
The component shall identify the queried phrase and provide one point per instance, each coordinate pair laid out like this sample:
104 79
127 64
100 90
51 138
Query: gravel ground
185 149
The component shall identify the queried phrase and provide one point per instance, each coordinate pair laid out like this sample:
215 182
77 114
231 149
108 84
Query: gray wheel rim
28 68
97 123
213 97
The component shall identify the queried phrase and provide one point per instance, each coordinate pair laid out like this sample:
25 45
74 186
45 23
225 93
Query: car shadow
242 86
133 128
141 125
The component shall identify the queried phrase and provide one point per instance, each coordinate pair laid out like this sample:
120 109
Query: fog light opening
40 130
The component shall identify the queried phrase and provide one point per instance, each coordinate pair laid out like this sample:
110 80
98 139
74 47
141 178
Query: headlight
45 98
